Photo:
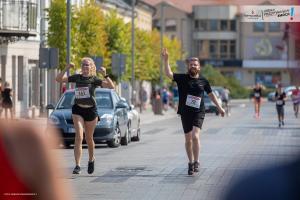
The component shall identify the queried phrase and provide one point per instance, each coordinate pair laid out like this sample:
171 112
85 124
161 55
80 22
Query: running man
191 88
257 95
84 110
296 100
280 98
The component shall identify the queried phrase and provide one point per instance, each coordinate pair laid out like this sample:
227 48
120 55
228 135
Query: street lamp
132 53
162 19
68 34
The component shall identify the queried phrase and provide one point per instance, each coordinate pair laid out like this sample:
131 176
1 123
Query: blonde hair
92 63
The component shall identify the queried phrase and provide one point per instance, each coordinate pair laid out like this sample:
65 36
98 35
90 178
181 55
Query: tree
90 35
57 29
118 37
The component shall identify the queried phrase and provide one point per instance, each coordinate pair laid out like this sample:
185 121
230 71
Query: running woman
84 111
257 95
191 88
296 100
280 98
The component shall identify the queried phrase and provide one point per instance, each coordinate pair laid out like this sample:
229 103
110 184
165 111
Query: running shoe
77 170
279 125
191 169
91 166
282 123
196 166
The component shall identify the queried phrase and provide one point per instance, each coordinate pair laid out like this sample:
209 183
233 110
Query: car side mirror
121 105
131 107
50 107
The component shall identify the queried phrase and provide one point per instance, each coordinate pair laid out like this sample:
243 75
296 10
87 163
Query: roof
187 5
97 89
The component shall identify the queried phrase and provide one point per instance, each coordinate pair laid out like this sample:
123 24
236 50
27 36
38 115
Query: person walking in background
175 97
7 103
280 98
225 99
257 96
165 98
296 100
143 98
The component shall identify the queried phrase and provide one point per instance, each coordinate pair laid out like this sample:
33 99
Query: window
223 48
213 48
199 45
258 26
232 25
203 25
170 25
196 24
156 24
213 25
274 26
224 25
232 48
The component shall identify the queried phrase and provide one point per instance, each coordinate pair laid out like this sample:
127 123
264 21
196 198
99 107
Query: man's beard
193 72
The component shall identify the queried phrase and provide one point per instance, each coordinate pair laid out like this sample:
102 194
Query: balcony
18 19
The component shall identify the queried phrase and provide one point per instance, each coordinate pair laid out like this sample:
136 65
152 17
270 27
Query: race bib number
193 101
256 94
279 102
82 93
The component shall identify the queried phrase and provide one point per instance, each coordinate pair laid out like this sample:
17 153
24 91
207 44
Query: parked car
289 90
210 107
113 127
271 96
134 121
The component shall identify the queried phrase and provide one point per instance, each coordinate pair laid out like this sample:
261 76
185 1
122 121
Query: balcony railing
18 18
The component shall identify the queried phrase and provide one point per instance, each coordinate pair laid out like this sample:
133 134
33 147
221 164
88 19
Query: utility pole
162 19
132 53
42 70
68 35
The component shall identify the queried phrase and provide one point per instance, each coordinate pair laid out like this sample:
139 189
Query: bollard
33 112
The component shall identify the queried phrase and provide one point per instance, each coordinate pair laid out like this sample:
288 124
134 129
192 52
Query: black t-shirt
85 88
191 93
280 98
257 93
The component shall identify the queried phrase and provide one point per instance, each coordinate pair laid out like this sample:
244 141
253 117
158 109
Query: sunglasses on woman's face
85 64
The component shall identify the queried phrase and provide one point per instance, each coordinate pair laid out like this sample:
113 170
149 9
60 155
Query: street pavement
156 167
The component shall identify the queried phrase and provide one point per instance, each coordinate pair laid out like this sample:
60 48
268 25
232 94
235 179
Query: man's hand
165 55
221 111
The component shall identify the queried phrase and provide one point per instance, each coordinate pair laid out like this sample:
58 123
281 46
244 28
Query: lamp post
68 57
132 53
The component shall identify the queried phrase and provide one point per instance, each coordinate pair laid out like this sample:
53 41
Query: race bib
193 101
256 94
82 93
279 102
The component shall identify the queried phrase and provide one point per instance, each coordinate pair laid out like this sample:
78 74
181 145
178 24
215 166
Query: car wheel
125 140
138 135
115 142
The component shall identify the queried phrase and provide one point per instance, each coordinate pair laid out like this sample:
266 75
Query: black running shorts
280 110
191 119
88 114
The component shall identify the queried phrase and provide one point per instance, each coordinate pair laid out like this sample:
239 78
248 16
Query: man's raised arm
168 70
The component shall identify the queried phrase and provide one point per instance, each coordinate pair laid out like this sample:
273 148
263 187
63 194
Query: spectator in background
175 97
165 98
7 103
296 100
225 99
143 97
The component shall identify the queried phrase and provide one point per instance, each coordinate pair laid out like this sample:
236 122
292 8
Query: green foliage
90 35
57 29
93 34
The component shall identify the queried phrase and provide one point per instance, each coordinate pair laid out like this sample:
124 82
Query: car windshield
103 100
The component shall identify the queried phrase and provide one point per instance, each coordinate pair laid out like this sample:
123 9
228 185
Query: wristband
106 76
